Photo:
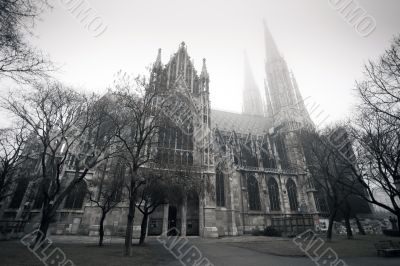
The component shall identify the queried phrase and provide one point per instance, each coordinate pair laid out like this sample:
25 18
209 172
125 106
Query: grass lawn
84 251
15 254
359 246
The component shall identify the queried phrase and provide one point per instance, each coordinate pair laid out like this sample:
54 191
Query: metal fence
293 224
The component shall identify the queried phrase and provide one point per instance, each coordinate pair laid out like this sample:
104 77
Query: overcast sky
324 52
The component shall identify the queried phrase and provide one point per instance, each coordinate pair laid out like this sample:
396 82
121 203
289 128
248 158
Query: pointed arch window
220 188
273 192
254 193
76 197
292 194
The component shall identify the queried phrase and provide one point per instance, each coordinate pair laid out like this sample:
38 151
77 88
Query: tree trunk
398 222
144 227
348 227
44 226
129 228
359 225
330 226
101 228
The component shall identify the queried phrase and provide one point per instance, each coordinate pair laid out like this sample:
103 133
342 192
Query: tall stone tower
286 108
184 143
285 104
188 90
252 101
284 101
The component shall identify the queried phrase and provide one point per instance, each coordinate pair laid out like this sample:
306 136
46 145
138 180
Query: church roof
240 123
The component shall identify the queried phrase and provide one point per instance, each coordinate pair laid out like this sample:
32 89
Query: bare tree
330 173
18 60
380 90
375 131
71 133
346 210
136 118
105 191
151 195
12 156
377 146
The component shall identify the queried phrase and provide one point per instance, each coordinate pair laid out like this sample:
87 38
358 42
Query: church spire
204 72
158 63
249 81
204 78
252 102
269 110
280 86
157 68
270 45
299 98
300 102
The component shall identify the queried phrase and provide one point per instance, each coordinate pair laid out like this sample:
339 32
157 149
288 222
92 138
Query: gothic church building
252 163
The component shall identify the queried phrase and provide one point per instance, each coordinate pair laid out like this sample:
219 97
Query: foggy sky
324 52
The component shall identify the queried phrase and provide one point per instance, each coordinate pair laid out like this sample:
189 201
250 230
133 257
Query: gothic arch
273 193
220 187
292 194
77 196
253 193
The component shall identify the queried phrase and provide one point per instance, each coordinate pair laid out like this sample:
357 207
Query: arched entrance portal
179 216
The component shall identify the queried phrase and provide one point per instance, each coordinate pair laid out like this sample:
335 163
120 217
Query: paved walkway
221 254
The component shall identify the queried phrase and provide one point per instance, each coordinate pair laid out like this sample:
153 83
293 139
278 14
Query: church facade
252 163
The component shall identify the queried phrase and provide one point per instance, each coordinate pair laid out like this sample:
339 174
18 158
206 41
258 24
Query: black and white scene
199 133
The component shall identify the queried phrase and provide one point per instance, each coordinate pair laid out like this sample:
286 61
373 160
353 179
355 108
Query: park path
224 254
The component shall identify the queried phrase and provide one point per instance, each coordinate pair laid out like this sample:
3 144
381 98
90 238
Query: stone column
165 219
232 228
210 224
183 216
201 215
285 197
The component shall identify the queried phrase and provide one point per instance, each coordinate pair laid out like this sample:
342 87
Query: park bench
387 248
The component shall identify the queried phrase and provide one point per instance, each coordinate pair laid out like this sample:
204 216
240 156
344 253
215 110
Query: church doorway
172 220
192 216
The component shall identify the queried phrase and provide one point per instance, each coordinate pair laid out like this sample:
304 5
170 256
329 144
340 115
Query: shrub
270 231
